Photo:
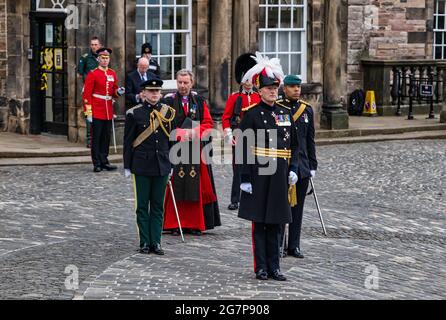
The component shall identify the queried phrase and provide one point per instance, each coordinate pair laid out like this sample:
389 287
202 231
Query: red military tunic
192 215
249 100
101 86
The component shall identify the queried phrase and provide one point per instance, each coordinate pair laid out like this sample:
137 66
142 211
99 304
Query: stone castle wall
387 29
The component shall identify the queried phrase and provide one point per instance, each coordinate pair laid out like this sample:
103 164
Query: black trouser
266 246
236 180
100 141
295 228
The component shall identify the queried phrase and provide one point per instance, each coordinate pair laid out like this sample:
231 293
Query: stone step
50 152
49 161
379 131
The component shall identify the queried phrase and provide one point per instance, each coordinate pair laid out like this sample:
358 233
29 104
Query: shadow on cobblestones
384 206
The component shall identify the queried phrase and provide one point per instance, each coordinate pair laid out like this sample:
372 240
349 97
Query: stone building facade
388 30
324 41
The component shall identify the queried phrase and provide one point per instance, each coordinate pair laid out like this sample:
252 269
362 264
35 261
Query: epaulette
304 102
250 107
130 111
170 95
279 102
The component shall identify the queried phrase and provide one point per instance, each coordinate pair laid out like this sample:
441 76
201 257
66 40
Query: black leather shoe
277 275
197 233
156 249
109 167
144 250
233 206
296 253
262 275
97 169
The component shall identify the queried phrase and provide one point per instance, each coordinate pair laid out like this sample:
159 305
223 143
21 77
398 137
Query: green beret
292 80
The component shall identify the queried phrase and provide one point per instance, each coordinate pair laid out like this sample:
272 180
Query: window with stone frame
282 34
439 30
50 5
167 25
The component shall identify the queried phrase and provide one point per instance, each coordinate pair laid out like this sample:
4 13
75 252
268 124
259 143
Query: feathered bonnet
266 72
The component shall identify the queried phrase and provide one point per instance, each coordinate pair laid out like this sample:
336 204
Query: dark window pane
180 63
441 7
168 18
262 19
180 43
438 38
441 23
141 18
438 52
273 17
166 68
285 17
153 18
182 18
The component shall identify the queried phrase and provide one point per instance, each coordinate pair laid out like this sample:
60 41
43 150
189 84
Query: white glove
246 187
90 119
121 91
229 137
292 179
313 173
127 173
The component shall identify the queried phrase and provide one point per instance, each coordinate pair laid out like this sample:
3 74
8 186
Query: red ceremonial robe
192 213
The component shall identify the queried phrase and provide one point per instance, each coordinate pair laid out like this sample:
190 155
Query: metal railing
417 84
406 82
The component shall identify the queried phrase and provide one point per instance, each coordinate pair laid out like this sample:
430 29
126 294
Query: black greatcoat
269 202
151 158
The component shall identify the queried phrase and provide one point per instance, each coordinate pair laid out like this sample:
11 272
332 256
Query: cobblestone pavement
384 206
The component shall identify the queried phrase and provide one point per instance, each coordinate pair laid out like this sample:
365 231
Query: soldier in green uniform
146 155
89 62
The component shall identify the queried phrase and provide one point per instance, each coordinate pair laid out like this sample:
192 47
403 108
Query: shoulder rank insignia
304 102
250 107
280 104
170 96
130 111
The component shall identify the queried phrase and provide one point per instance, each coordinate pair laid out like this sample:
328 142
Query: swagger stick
318 207
176 209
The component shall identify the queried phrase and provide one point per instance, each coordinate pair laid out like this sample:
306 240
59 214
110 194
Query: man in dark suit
303 117
134 81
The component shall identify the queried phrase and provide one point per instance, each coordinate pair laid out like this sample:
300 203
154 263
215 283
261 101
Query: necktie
185 104
143 77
